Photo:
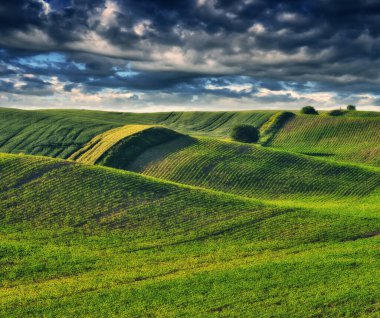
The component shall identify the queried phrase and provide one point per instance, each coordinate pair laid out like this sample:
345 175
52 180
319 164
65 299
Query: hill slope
117 147
60 133
82 241
352 138
100 144
255 171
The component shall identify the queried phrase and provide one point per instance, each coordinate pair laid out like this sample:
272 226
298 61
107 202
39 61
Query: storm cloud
196 54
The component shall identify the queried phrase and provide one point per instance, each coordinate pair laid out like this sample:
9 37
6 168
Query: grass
351 138
89 241
200 226
91 152
61 133
255 171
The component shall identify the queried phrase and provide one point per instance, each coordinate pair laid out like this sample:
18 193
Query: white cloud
108 16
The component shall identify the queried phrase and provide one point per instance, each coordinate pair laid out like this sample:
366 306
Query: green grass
352 138
89 241
60 133
255 171
205 228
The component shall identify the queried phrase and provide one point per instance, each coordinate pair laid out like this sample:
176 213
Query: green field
161 215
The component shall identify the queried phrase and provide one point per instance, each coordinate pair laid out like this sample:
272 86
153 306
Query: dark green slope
34 132
255 171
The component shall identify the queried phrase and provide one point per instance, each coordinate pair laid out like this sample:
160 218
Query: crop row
350 139
100 144
257 172
41 192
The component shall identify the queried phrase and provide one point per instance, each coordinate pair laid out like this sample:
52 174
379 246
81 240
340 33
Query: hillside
60 133
255 171
117 147
37 133
353 138
79 240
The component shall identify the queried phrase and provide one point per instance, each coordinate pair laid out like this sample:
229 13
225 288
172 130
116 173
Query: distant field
90 241
60 133
355 139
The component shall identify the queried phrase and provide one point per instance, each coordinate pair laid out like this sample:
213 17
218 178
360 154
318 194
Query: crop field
92 241
352 139
100 144
254 171
106 214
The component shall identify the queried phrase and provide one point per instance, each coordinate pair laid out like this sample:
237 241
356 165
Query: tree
245 133
336 112
351 107
309 110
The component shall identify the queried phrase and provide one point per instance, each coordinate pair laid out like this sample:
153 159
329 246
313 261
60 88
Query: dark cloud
211 47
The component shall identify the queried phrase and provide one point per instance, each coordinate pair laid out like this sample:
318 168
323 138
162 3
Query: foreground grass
84 241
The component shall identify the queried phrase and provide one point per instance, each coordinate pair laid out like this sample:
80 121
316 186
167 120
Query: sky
167 55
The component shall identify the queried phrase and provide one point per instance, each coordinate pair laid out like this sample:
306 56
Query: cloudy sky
140 55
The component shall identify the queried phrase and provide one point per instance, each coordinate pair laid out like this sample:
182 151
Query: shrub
309 110
351 107
336 112
245 133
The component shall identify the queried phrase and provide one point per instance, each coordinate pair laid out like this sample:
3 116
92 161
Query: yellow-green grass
353 139
90 241
100 144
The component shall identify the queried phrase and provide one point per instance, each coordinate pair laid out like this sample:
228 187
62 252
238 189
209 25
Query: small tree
245 133
336 112
351 107
309 110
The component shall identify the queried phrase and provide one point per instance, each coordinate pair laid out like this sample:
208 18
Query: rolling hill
353 137
80 240
106 214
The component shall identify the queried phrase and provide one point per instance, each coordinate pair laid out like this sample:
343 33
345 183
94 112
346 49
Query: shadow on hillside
159 152
318 154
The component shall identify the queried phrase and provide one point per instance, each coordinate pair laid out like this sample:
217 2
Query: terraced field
352 139
80 240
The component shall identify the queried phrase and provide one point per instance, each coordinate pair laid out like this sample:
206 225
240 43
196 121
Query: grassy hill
255 171
60 133
190 224
354 137
100 144
117 147
79 240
